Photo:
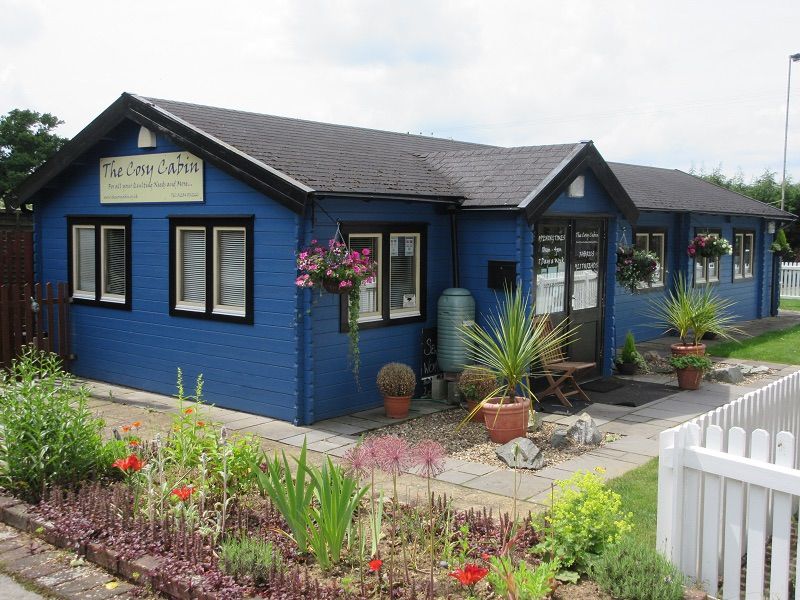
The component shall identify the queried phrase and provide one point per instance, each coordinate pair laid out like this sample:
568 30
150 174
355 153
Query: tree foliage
26 141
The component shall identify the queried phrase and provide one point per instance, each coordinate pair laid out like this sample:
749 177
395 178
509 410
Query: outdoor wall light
147 138
770 226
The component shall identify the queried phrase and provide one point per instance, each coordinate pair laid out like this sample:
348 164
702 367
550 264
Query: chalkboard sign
430 364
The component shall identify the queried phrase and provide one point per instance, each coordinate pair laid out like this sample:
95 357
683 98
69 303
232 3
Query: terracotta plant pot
478 416
506 420
689 378
684 349
396 407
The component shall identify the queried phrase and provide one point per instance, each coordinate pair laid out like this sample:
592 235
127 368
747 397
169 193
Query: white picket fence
790 280
550 291
718 502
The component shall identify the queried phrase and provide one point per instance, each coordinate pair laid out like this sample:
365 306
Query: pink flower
365 251
430 456
357 460
393 454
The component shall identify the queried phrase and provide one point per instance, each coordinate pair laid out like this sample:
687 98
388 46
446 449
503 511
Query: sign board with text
143 178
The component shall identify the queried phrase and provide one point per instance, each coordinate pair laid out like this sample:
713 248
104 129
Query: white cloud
671 84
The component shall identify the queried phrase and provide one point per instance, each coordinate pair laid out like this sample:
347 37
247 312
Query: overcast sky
670 83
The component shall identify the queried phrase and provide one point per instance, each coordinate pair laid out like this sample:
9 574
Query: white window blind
192 267
114 262
370 297
83 259
403 274
747 259
231 268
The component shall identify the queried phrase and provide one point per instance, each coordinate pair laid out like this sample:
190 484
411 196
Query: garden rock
754 370
559 438
732 374
652 355
584 431
535 423
521 453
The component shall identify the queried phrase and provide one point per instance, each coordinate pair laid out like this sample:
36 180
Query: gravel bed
471 442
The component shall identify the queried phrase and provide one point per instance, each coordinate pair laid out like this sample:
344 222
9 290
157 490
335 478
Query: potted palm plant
510 345
396 383
693 313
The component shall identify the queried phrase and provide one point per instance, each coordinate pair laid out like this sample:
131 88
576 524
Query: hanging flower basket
706 246
635 267
338 270
781 247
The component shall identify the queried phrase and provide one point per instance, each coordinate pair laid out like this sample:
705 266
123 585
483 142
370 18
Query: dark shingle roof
500 176
327 157
653 188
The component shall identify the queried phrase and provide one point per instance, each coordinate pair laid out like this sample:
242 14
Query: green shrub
244 556
585 519
49 435
690 361
521 582
632 570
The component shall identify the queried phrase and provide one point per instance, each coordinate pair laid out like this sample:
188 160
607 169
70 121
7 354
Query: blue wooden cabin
177 227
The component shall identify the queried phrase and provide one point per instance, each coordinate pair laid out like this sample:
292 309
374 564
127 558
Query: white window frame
105 296
649 236
377 280
217 307
76 250
183 304
739 246
402 313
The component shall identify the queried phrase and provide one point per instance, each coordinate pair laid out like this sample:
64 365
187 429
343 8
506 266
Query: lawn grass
774 346
790 303
639 491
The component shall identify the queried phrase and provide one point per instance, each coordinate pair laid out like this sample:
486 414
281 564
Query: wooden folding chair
559 371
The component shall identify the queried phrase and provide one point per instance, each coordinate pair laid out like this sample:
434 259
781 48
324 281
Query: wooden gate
34 314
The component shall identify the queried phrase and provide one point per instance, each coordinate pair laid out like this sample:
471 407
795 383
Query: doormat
603 385
633 393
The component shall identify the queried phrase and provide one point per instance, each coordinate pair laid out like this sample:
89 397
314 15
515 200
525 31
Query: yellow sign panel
165 177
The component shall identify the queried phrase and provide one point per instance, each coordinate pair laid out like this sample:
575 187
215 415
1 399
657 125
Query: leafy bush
585 519
245 556
49 435
690 361
396 379
521 582
632 570
476 384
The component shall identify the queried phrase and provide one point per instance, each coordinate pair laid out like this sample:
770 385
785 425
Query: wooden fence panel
36 315
16 257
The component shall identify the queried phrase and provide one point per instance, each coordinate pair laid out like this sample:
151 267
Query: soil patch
471 442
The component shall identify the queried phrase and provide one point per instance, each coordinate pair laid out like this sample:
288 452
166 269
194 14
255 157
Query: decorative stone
521 453
652 355
732 374
535 424
584 431
559 438
759 370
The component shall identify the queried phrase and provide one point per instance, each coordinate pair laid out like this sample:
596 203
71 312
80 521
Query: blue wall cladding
247 367
750 296
328 366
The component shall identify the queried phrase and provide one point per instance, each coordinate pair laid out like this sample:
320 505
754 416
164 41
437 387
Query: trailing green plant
396 379
330 518
635 267
690 361
781 246
510 345
633 570
475 384
49 436
586 518
521 582
698 310
291 494
249 557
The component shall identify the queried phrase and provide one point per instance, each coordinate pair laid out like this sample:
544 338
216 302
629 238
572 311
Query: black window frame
210 223
386 229
706 232
743 278
649 231
98 222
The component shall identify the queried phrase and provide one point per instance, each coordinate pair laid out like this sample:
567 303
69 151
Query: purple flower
358 460
430 456
393 454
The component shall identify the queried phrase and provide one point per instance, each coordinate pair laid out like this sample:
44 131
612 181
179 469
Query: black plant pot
626 368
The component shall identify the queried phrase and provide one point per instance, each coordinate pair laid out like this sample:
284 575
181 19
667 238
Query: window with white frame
706 270
654 241
211 268
396 293
99 255
743 254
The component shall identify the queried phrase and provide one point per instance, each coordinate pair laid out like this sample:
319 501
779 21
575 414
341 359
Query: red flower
201 424
183 493
126 428
188 411
129 464
136 424
133 443
470 574
485 556
375 564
